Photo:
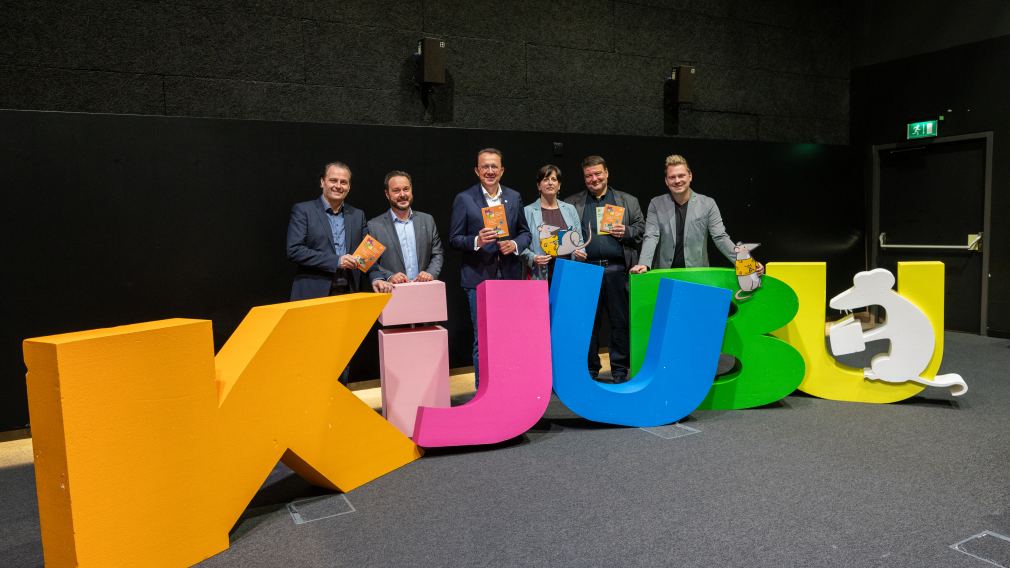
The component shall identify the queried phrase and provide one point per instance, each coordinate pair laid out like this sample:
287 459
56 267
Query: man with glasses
485 256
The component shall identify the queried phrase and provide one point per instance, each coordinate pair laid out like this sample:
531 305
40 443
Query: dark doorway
930 202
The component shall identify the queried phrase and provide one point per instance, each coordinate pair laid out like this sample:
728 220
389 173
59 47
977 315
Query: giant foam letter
919 282
148 448
413 362
769 370
513 328
679 365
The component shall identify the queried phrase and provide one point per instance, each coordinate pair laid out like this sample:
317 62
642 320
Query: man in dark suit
413 248
322 235
485 257
616 252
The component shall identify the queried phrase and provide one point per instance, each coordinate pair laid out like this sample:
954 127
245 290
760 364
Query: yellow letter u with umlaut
922 283
148 447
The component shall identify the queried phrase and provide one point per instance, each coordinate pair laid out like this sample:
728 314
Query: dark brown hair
340 165
547 170
495 151
591 161
397 173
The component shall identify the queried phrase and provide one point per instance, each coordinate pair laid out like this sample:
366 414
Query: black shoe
620 379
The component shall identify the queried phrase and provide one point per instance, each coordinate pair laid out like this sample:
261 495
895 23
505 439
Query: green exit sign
921 129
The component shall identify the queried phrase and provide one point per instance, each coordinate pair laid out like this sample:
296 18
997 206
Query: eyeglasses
489 168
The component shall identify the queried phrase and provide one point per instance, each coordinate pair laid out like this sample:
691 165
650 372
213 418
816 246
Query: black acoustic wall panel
113 219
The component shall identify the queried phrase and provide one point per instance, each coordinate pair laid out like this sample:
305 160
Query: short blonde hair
676 160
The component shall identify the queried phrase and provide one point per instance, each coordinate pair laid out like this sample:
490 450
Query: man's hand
349 261
424 277
760 268
639 269
579 254
398 278
617 231
382 287
542 259
486 236
506 247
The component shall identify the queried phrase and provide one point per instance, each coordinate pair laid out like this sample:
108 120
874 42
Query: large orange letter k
148 448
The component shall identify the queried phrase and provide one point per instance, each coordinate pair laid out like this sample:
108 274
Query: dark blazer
466 221
310 245
632 220
429 246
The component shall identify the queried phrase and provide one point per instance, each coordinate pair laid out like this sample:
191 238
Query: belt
599 262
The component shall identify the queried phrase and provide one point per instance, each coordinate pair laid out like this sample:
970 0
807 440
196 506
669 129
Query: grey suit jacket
703 220
429 246
633 221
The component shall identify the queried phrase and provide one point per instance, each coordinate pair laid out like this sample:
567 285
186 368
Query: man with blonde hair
679 223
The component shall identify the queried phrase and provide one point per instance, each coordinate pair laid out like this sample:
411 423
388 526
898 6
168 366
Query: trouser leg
471 298
616 293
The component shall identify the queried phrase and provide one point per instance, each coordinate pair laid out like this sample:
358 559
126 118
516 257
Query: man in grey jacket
678 224
615 251
413 249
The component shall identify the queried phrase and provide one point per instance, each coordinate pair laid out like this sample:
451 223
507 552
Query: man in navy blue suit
322 235
485 257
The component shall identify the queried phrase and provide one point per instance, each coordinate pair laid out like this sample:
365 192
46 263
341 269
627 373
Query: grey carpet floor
802 482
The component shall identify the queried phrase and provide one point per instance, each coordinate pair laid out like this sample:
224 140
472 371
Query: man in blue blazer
322 235
485 257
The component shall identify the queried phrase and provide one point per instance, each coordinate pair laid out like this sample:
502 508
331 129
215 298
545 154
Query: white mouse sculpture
907 327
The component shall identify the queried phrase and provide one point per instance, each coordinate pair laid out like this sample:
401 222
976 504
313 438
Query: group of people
323 234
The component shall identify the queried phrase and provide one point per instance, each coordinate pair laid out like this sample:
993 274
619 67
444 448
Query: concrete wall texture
775 70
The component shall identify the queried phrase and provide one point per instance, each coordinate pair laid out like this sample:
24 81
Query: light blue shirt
405 234
336 219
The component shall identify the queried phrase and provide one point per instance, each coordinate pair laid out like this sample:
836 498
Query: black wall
112 220
774 70
117 219
896 29
968 85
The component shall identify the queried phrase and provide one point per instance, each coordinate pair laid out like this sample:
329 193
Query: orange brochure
494 218
368 252
612 215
